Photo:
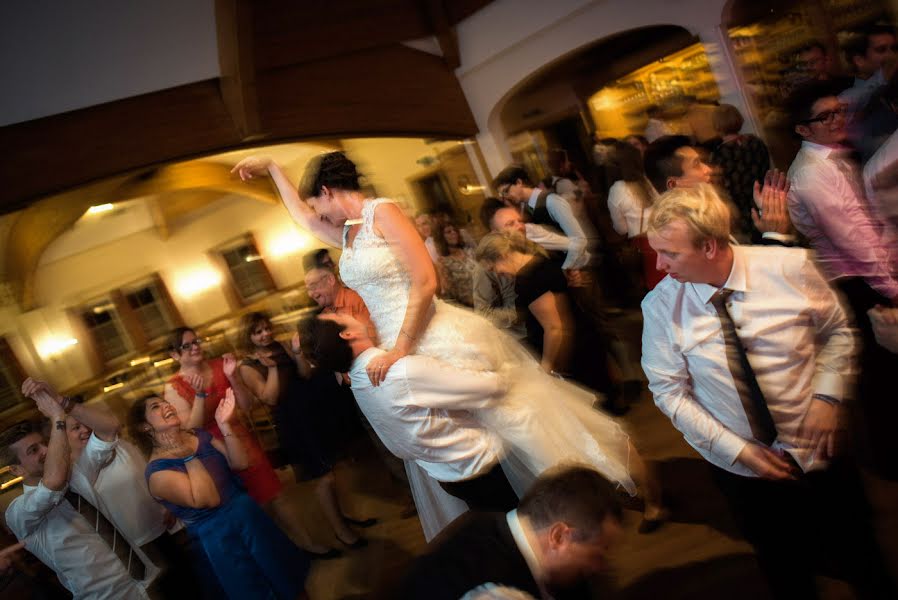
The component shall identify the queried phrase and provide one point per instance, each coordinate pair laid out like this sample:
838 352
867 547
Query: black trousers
489 492
819 524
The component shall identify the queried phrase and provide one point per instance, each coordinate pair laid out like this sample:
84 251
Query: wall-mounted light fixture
55 346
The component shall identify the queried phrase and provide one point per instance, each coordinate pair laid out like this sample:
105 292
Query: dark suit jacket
476 548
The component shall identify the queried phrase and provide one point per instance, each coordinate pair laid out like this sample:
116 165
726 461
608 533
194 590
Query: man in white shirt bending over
420 411
49 525
749 353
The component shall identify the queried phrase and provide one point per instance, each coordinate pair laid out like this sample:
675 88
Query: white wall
509 40
59 55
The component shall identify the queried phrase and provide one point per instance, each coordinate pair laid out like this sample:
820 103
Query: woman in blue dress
191 474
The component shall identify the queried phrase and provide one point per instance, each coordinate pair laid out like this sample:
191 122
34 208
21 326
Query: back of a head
10 436
323 346
488 210
661 161
332 169
317 259
577 495
800 103
627 160
510 175
700 207
727 120
495 246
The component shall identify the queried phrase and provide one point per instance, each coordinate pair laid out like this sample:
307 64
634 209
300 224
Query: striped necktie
753 402
112 536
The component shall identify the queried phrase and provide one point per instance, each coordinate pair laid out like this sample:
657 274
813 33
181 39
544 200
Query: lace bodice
371 268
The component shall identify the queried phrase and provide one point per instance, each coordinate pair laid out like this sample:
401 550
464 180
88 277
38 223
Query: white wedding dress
543 420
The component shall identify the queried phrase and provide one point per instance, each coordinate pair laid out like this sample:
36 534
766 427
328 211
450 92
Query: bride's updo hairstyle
333 170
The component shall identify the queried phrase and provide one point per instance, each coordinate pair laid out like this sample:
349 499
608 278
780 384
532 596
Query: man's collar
818 149
362 360
340 296
737 280
533 196
522 534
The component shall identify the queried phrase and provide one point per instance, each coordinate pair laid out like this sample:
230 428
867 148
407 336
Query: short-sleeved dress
251 557
588 361
306 414
260 479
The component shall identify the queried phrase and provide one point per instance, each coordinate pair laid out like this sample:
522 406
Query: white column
495 152
730 81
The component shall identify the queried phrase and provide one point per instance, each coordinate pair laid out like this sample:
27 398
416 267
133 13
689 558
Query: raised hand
250 167
229 364
32 387
227 409
296 344
771 212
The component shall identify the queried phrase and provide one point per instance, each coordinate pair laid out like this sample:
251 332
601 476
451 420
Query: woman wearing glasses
207 380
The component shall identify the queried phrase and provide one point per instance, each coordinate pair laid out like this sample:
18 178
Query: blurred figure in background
456 265
743 159
630 205
303 402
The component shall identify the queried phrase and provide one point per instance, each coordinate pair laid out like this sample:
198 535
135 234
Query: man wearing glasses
827 205
332 296
544 208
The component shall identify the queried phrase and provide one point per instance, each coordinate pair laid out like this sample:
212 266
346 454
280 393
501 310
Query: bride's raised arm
305 217
396 228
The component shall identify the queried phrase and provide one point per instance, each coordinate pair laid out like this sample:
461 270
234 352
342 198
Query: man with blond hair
749 353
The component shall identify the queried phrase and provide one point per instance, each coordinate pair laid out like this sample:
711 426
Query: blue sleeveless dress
251 557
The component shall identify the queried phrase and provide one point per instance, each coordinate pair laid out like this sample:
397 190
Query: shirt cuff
829 384
781 237
729 446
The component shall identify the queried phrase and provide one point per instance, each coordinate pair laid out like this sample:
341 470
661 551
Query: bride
544 420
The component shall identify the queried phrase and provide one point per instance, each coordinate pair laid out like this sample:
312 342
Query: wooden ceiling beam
235 57
443 31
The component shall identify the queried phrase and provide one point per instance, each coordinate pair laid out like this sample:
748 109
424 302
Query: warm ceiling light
99 208
140 361
192 283
163 362
112 387
54 346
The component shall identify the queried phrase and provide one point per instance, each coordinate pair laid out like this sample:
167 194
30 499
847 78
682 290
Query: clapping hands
770 212
227 409
195 381
229 364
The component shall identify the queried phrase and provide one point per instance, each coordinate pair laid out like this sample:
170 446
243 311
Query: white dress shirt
577 232
883 201
827 205
796 336
546 237
628 215
420 412
110 475
64 541
855 98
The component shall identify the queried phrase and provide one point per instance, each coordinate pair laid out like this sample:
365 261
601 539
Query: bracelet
187 459
402 331
826 398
